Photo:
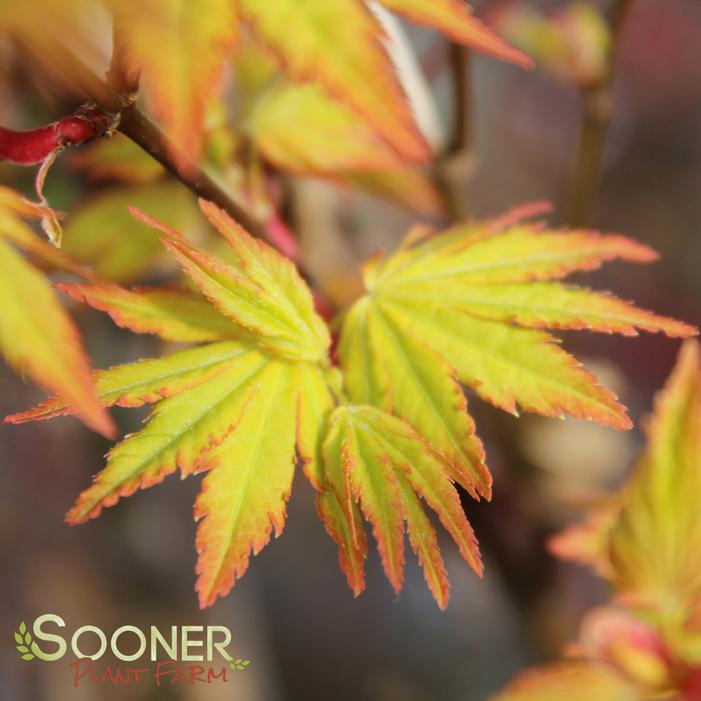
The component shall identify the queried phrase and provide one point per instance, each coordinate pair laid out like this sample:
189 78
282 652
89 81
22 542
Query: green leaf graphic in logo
23 638
239 664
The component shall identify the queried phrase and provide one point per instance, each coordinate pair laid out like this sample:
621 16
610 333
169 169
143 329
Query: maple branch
142 131
461 76
456 164
598 111
76 75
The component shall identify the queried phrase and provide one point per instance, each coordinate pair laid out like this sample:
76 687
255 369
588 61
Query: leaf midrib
246 485
174 438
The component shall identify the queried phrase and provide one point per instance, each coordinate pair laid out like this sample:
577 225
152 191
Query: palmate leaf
45 345
465 308
662 512
339 44
646 541
248 405
236 406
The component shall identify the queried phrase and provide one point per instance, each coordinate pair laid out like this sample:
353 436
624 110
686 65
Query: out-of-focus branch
597 113
460 64
455 166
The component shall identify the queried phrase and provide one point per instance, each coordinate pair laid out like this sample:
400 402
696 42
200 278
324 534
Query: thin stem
597 114
461 76
455 166
142 131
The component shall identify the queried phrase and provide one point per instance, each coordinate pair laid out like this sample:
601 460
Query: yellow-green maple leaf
645 540
262 393
658 511
662 514
465 308
339 44
304 130
243 406
36 334
103 234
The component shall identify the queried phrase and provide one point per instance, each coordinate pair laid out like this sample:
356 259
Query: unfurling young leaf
380 441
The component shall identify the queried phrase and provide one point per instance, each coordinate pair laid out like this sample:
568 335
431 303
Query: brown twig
455 166
597 113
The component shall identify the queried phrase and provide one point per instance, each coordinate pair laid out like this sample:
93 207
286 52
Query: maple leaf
339 45
250 403
234 405
454 19
262 393
658 511
103 234
466 308
645 541
661 512
178 51
46 346
303 130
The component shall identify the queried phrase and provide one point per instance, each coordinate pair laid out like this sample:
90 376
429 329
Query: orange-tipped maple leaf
46 346
383 437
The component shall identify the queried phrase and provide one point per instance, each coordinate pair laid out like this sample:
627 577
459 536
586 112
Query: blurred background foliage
292 615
